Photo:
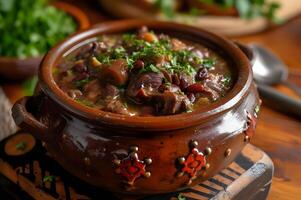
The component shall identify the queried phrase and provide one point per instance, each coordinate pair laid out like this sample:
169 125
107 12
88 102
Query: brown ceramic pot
142 155
20 69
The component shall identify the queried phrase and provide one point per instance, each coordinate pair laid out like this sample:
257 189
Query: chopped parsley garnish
81 83
208 63
48 179
150 68
85 102
21 146
134 48
227 81
180 197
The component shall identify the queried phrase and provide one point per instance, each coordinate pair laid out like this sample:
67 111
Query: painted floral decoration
194 162
131 167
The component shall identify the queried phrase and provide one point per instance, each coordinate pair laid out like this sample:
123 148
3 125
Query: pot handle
26 121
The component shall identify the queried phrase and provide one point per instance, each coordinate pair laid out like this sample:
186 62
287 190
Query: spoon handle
279 100
293 86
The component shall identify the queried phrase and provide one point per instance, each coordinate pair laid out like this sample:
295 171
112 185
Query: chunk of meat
116 73
195 88
185 80
138 65
86 50
175 79
214 82
116 106
200 89
141 87
178 45
167 75
110 91
81 76
92 90
213 86
171 103
147 111
79 66
202 74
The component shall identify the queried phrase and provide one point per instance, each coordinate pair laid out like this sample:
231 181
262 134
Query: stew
144 74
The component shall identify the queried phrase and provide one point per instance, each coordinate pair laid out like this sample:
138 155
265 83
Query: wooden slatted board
249 177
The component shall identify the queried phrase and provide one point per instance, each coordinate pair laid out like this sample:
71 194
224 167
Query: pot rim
152 123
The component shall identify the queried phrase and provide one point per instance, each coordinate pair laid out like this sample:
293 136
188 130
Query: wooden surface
248 177
277 134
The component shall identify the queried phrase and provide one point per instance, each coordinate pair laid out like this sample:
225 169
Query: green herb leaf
82 83
208 63
153 68
180 197
48 179
21 146
226 81
30 28
85 102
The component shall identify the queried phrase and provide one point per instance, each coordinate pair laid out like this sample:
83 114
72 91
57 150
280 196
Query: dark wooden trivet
38 176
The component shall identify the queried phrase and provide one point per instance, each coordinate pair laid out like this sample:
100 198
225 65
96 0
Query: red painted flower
251 124
194 162
131 168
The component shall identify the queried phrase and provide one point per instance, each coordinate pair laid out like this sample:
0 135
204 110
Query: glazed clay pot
142 155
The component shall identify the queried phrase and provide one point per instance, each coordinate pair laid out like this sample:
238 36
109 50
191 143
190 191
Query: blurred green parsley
28 28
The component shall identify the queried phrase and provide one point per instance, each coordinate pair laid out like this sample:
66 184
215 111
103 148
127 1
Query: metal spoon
271 96
269 69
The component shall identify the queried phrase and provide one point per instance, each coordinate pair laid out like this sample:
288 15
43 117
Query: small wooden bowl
20 69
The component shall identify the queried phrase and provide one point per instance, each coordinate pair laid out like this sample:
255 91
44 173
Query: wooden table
277 134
